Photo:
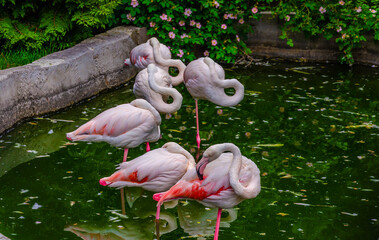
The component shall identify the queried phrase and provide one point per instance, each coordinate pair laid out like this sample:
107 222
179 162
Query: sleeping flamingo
205 79
154 52
155 171
154 85
126 125
219 180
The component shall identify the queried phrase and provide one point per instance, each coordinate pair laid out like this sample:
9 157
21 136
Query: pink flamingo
205 79
155 171
153 52
126 125
155 85
219 180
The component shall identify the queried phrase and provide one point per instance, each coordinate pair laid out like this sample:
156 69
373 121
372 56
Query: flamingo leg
197 126
125 155
218 223
122 190
147 147
157 220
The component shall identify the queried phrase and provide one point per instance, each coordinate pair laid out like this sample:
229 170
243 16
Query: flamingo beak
200 166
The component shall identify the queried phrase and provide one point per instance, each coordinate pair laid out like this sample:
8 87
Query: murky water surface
312 130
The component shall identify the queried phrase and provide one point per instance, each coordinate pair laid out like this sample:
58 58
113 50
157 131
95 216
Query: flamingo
205 79
155 85
126 125
220 180
154 52
155 171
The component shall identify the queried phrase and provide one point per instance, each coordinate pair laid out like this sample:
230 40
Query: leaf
282 214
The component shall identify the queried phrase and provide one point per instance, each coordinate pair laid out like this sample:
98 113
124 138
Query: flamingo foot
157 196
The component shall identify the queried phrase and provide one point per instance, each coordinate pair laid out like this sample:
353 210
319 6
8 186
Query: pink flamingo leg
157 220
147 147
197 126
218 223
125 155
122 190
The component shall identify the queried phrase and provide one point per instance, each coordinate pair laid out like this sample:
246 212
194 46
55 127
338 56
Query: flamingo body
215 189
205 79
142 55
155 171
126 125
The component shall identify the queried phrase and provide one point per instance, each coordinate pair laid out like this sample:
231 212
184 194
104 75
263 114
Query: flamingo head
200 166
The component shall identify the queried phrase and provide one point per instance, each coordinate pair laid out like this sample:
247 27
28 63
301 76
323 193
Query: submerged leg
197 126
218 223
157 221
122 190
147 147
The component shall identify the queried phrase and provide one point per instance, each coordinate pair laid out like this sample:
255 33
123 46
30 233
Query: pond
312 130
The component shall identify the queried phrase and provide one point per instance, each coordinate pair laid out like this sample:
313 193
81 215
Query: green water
311 129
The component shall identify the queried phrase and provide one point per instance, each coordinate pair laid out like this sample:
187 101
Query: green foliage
212 28
32 25
345 21
218 29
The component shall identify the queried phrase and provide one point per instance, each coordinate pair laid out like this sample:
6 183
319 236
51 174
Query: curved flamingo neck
222 97
168 62
141 103
176 96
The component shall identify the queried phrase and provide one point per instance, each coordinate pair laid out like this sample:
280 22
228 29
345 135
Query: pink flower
322 10
341 2
241 21
129 17
372 10
287 18
187 12
171 35
192 23
344 36
206 53
226 16
163 16
359 9
198 25
184 35
216 4
182 23
169 19
238 38
214 42
309 164
232 16
134 3
223 26
254 10
152 24
339 29
180 54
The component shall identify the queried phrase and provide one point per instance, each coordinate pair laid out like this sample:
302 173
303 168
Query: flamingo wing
116 126
155 171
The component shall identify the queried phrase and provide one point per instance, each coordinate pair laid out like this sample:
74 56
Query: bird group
222 178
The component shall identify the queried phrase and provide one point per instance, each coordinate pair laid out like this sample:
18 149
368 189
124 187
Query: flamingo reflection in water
199 221
220 180
124 229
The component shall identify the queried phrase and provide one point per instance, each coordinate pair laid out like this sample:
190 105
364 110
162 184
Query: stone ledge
69 76
265 42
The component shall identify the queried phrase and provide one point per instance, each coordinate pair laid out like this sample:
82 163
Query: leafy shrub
33 24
